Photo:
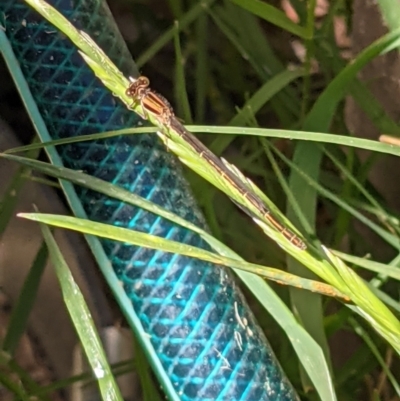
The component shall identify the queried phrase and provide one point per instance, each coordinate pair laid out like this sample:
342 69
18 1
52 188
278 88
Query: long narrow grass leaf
20 314
154 242
180 81
83 321
185 21
273 15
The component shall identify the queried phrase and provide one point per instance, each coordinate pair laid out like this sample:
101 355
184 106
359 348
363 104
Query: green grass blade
371 265
153 242
82 138
180 81
273 15
20 314
375 351
336 139
321 114
391 13
265 93
386 235
10 197
184 22
309 352
202 66
26 381
82 321
176 7
246 34
15 388
9 200
150 393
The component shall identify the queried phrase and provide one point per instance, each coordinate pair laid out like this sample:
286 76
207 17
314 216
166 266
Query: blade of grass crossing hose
309 352
97 249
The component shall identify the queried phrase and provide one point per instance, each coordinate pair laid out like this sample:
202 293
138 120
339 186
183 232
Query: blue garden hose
188 308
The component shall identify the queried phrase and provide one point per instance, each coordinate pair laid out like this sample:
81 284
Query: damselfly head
137 86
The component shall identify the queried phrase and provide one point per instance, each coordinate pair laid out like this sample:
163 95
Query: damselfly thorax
151 102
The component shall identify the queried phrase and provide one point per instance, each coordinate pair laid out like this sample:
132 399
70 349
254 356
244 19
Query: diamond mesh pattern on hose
186 306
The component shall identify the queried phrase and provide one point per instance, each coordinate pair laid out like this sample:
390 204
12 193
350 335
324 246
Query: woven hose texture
186 306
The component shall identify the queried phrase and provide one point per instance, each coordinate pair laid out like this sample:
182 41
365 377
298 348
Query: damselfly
154 104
